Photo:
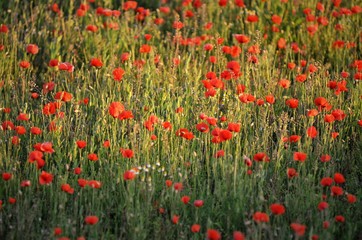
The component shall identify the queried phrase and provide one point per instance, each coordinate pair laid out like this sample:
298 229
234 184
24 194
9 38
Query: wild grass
166 85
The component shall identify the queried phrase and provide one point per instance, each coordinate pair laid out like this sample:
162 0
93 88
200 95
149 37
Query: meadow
181 119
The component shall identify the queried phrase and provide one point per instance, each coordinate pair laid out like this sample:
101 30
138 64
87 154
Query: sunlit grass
162 131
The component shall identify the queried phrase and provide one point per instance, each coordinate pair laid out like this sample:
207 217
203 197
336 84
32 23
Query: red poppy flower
185 199
326 181
261 156
93 157
4 28
49 109
82 182
145 48
35 131
277 209
22 117
92 28
281 43
291 65
270 99
129 5
47 87
220 153
34 95
291 172
213 59
312 113
25 183
326 224
53 63
129 175
24 64
338 114
177 25
339 218
175 219
115 109
213 234
77 170
7 125
292 102
15 140
320 7
339 178
334 134
106 144
168 183
252 18
67 188
46 147
20 130
94 184
80 12
260 102
358 76
246 98
241 38
208 47
12 200
6 176
32 49
284 83
301 78
91 220
212 121
125 115
195 228
178 186
6 110
247 161
351 198
237 235
336 191
321 102
312 68
298 229
81 144
198 203
322 206
127 153
63 96
95 62
276 19
57 231
239 3
35 156
299 156
260 217
329 118
202 127
234 127
225 135
294 138
45 178
118 74
325 158
312 132
65 66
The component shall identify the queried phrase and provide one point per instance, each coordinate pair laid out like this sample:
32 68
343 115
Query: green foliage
166 85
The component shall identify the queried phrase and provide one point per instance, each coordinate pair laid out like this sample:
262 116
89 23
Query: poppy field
181 119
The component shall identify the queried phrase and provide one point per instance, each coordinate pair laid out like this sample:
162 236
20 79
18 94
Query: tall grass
166 85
